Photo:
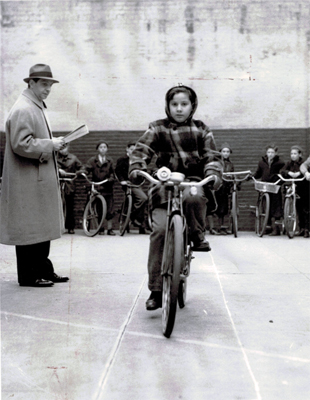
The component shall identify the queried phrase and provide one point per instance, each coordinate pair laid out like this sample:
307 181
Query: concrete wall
248 60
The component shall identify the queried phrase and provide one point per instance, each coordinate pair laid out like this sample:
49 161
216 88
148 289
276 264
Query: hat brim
41 77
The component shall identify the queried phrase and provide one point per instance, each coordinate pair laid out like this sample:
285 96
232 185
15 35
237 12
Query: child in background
184 145
68 162
101 168
268 169
305 195
138 195
222 195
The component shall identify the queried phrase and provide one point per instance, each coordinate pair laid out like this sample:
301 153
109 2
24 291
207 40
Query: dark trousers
70 220
195 208
33 262
139 201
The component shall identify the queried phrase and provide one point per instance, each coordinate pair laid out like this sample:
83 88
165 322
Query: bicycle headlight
163 174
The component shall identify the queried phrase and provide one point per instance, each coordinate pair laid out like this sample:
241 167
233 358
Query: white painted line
256 386
109 364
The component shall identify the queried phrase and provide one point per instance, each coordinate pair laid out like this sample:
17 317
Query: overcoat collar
29 93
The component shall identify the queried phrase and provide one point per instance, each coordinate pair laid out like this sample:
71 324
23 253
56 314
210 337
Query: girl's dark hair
272 146
180 89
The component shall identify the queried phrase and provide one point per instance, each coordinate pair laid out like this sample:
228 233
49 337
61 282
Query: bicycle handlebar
291 179
227 176
93 183
175 178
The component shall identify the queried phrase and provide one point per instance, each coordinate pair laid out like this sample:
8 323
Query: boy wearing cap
101 168
138 195
294 169
31 211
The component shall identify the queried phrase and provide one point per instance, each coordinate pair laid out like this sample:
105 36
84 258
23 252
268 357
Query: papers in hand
77 133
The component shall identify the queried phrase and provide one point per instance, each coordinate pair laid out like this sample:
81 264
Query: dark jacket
69 163
187 147
121 169
101 172
291 166
269 173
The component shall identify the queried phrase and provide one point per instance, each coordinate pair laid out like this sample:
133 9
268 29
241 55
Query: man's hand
59 143
123 183
307 176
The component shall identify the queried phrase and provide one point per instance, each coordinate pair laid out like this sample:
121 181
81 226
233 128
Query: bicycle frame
234 209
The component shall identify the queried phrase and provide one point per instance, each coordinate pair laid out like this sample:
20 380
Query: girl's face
225 152
294 155
102 149
271 154
180 107
130 150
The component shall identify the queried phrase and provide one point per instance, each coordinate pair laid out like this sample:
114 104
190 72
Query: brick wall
248 146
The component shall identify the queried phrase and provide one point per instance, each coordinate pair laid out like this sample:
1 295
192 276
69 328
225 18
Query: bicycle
64 188
234 207
95 210
177 253
289 210
125 212
262 208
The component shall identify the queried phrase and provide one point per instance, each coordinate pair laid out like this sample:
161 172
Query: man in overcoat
30 208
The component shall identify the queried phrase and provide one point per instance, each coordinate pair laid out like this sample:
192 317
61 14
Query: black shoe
306 234
101 232
71 231
38 283
213 232
201 246
136 223
154 301
111 232
301 232
142 231
223 231
57 279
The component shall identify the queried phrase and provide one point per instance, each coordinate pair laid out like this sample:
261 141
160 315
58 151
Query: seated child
138 196
268 169
68 162
101 168
184 145
305 195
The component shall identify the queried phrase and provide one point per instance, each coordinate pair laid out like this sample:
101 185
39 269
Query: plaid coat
181 148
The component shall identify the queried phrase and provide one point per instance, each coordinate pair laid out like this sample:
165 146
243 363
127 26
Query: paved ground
244 333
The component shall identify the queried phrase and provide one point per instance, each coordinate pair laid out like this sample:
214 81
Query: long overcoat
30 210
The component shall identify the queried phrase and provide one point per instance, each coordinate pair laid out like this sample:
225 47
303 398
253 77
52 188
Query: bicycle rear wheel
124 217
262 214
94 215
290 219
173 260
234 214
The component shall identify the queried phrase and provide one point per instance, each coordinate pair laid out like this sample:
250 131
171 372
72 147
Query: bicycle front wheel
124 217
234 214
173 262
290 217
94 215
262 214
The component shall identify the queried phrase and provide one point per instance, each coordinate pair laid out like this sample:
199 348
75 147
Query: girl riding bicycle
184 145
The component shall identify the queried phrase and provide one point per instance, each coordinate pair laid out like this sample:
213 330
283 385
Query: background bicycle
66 181
290 209
95 210
262 208
236 178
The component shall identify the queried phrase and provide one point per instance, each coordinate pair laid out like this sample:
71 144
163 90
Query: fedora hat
40 71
